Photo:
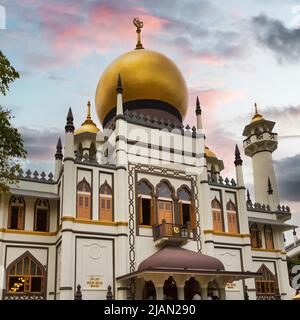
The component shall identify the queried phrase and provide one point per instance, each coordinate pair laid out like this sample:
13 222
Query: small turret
58 159
69 125
119 90
238 167
198 114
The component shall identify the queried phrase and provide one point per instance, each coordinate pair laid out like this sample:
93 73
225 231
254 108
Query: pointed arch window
26 275
266 285
83 200
269 237
106 202
232 217
186 207
41 217
255 236
165 195
16 213
145 203
217 215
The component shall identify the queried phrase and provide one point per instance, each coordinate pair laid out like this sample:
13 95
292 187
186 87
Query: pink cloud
210 59
210 99
73 34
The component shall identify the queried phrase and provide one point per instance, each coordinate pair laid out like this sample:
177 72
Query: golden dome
88 125
208 153
146 75
257 116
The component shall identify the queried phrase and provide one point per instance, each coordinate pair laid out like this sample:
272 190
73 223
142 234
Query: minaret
198 114
68 210
238 162
259 144
58 159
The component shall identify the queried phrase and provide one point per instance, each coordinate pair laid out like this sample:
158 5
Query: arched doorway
149 292
170 289
213 291
191 287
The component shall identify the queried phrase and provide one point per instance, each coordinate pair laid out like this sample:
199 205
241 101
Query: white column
67 267
262 169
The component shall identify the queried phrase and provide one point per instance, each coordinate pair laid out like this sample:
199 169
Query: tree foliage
11 143
11 148
8 74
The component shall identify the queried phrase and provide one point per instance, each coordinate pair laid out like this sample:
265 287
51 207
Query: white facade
94 253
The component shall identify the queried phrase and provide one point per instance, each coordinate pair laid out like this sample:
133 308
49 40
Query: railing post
163 227
78 294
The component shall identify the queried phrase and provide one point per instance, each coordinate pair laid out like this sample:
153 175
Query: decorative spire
139 25
238 160
58 154
270 190
248 197
70 126
198 107
255 106
119 84
88 115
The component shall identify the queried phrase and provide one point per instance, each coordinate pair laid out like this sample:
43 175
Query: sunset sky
232 53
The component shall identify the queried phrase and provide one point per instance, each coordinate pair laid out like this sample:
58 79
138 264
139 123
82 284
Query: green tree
8 74
11 143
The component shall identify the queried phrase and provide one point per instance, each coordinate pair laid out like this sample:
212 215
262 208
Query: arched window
106 202
232 217
16 213
213 290
269 237
255 236
191 288
83 200
186 207
165 195
25 275
217 215
145 203
42 213
170 289
149 291
266 285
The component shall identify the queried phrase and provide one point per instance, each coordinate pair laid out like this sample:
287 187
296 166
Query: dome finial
255 106
139 25
88 115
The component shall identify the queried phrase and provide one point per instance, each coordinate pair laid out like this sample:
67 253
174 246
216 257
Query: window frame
22 205
27 277
86 192
106 197
36 207
217 211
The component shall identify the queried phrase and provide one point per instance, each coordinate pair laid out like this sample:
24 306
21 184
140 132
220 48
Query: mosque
139 209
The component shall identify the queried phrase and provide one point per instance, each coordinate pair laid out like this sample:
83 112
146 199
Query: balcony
170 233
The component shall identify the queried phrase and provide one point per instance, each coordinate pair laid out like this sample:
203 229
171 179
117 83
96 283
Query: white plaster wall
94 259
232 262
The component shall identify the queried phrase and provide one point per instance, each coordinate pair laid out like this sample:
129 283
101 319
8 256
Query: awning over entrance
179 261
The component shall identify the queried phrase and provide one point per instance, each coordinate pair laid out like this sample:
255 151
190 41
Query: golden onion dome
88 125
208 153
146 75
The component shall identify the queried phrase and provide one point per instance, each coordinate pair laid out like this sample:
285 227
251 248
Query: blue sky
231 53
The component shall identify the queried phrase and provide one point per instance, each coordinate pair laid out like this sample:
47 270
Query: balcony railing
173 232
